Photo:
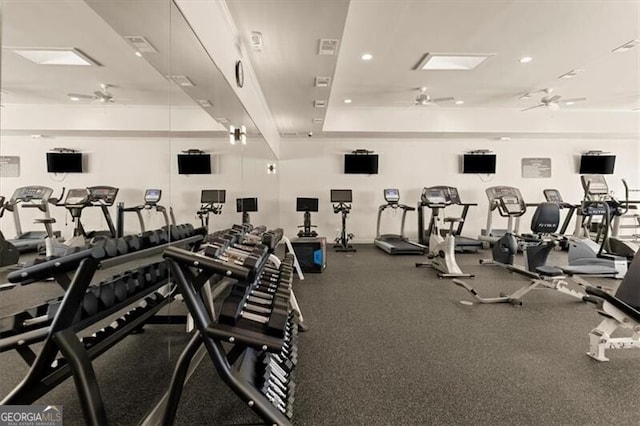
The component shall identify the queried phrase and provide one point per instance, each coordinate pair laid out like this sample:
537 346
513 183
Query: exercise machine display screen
103 194
213 196
435 196
306 204
246 205
152 196
341 196
553 196
77 197
32 193
392 195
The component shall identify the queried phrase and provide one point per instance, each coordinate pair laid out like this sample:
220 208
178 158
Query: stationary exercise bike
307 205
343 199
211 201
9 254
441 250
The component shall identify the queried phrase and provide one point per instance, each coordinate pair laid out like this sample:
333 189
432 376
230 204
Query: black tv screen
474 163
361 164
306 204
216 196
64 162
246 205
194 164
597 164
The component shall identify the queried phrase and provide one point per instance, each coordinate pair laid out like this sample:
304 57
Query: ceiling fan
552 102
423 99
103 95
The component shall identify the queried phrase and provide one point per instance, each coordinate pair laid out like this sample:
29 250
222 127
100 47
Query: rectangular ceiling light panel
323 81
61 56
452 61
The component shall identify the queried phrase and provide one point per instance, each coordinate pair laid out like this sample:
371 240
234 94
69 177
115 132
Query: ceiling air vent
319 104
328 46
141 44
323 81
181 80
288 133
317 120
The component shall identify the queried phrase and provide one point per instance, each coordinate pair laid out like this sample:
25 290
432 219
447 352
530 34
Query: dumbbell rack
249 357
74 274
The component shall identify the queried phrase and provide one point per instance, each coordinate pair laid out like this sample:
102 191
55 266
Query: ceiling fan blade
537 106
554 98
564 101
553 106
442 99
79 96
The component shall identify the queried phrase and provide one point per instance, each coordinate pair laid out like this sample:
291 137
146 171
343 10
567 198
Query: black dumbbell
90 304
105 294
120 290
150 275
110 247
133 242
122 246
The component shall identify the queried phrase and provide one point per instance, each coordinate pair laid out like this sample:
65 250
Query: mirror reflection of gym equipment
246 206
211 202
342 199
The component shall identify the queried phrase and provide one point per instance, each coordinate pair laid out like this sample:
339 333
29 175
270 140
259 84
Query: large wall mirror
128 87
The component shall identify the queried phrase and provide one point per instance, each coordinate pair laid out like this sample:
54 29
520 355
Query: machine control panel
436 195
77 197
594 184
213 196
392 196
102 195
152 196
30 194
553 196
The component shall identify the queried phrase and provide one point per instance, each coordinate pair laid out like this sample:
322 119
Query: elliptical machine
343 199
441 250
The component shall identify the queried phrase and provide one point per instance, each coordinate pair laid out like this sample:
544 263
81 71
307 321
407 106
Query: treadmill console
102 195
553 196
77 197
510 204
594 184
29 194
454 197
152 196
436 195
392 196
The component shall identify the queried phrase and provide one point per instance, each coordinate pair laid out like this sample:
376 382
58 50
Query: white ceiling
559 35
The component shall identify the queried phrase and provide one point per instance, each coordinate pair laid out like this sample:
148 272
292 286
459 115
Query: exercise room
345 212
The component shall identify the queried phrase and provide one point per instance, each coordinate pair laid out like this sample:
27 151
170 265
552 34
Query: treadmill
462 244
30 197
103 197
151 202
394 243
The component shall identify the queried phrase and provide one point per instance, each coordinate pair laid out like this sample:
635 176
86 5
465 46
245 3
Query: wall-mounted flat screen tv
481 164
597 164
64 162
194 164
361 164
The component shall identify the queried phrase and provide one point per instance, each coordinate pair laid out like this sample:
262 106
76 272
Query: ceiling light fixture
504 138
367 57
569 103
627 46
452 61
61 56
237 135
138 54
459 102
323 81
256 41
319 103
181 80
328 46
570 74
141 44
205 103
526 59
74 98
347 101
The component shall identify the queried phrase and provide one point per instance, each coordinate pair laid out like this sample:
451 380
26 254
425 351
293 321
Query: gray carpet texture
389 344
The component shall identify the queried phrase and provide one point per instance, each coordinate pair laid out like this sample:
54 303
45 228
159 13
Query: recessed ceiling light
526 59
367 57
504 138
569 103
141 44
317 120
459 102
452 61
62 56
627 46
74 98
138 54
347 101
205 103
570 74
320 103
181 80
323 81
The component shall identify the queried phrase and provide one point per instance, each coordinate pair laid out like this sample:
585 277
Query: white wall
311 167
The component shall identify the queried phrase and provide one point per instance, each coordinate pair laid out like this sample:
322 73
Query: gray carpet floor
389 344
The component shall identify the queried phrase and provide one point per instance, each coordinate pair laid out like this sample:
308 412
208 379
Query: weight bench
621 310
